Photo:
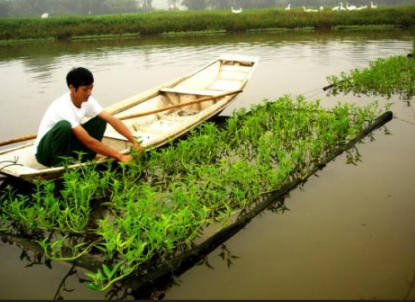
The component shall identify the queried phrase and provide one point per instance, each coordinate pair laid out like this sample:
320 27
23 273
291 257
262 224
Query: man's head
79 76
80 82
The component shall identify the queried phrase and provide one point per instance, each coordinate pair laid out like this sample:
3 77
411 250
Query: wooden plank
191 91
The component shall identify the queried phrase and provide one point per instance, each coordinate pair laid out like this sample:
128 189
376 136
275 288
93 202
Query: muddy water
349 233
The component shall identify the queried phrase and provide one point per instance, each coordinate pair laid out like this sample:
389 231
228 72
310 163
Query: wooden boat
155 116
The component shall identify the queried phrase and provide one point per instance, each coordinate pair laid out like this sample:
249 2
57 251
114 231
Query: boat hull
155 117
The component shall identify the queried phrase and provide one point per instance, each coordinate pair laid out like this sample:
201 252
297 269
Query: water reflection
46 66
372 43
59 281
69 278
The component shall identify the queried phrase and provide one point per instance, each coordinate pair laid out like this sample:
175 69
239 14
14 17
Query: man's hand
122 129
125 158
138 148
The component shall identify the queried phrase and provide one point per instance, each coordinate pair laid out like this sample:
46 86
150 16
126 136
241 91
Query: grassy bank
177 22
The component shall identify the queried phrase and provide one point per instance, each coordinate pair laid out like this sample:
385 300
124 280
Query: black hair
79 76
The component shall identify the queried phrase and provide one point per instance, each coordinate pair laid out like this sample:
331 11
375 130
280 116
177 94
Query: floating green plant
385 77
139 215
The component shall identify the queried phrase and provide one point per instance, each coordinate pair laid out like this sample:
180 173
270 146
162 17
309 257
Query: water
348 233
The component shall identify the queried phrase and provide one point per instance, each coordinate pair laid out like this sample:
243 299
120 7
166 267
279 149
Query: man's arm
120 127
98 146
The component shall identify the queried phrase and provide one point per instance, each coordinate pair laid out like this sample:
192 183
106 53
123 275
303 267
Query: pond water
349 233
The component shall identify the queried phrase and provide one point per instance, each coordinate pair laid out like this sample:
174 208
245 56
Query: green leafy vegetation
385 76
142 214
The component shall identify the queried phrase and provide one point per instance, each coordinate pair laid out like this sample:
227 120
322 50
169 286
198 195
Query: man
62 135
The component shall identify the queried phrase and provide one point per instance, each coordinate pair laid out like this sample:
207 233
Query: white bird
45 15
310 10
288 6
321 8
341 6
336 7
350 7
373 5
236 11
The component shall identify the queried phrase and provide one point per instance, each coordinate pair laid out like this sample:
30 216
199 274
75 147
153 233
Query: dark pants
60 144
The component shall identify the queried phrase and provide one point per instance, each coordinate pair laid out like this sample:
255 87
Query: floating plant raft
145 222
385 76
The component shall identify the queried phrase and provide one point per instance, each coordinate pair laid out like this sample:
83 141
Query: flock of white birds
309 10
341 6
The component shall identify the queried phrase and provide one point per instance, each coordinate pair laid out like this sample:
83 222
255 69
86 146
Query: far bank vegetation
209 21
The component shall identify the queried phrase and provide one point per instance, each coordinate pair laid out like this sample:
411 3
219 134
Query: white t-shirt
63 109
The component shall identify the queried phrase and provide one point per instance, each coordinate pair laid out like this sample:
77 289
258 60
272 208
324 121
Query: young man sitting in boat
62 135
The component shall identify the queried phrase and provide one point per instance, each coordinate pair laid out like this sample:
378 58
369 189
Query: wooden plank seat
205 92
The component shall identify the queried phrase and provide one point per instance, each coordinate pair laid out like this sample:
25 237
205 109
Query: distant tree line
71 7
100 7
